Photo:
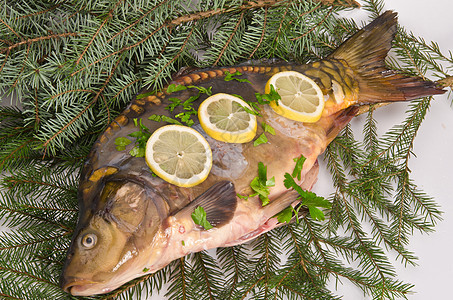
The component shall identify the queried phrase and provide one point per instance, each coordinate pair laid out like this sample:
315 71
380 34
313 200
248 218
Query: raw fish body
132 223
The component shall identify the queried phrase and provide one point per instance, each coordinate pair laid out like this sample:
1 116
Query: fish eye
89 240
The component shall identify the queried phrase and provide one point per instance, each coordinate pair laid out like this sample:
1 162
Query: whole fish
132 223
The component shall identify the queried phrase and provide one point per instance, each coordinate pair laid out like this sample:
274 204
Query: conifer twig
109 16
316 26
38 39
229 39
262 34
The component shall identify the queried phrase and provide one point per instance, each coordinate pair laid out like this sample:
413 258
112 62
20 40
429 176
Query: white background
432 166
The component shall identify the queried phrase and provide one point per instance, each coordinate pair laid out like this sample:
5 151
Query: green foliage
260 184
73 65
199 217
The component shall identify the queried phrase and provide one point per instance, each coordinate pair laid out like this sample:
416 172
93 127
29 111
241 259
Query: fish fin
336 122
219 202
365 53
274 207
280 203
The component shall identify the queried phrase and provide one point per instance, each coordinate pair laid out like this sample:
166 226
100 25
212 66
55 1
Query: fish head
105 251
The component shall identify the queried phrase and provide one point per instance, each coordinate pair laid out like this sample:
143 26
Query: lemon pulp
301 98
178 154
223 117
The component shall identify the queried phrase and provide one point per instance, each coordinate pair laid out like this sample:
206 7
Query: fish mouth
78 286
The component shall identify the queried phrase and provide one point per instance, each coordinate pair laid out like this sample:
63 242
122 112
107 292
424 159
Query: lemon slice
179 155
301 98
223 117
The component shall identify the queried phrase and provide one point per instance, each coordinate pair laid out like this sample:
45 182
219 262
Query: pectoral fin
219 202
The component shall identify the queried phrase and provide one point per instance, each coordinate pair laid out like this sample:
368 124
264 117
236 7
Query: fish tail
365 53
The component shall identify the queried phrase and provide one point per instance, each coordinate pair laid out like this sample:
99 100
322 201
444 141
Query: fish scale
317 71
139 223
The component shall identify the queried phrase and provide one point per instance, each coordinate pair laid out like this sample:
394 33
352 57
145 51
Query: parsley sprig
261 185
232 76
199 218
262 139
308 199
141 137
184 117
261 99
268 98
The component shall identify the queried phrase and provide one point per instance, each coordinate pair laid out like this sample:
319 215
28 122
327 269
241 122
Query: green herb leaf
316 213
273 95
261 189
261 184
175 88
144 95
252 111
175 102
199 217
145 270
242 197
185 118
309 199
163 118
285 215
231 76
141 137
136 134
267 98
298 167
290 183
138 151
239 96
270 182
202 90
262 172
268 128
121 143
262 139
187 105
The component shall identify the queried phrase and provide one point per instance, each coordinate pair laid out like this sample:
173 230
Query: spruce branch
81 113
12 30
263 32
74 65
178 54
28 42
316 26
109 16
233 33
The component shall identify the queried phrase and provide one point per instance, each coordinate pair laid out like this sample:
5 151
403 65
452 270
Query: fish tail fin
365 53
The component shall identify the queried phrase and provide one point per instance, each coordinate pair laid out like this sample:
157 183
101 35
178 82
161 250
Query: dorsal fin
219 202
368 47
